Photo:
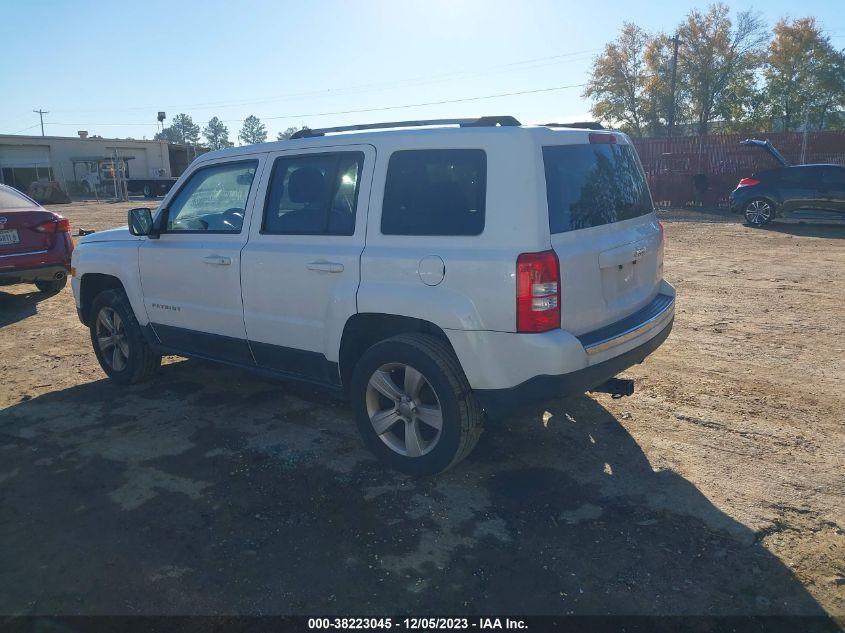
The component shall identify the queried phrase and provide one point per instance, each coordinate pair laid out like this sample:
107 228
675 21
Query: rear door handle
325 267
217 260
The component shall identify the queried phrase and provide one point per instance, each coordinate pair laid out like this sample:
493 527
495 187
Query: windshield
11 199
591 185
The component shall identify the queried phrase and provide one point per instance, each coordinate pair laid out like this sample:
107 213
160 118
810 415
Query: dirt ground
716 489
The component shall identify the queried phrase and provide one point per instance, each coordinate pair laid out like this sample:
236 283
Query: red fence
703 170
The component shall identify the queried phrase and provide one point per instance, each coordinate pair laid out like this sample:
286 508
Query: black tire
148 191
461 415
758 212
51 286
141 362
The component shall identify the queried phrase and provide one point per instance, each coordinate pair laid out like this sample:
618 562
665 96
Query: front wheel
759 212
118 341
148 191
413 405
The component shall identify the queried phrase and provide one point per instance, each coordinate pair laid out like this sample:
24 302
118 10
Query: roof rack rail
584 125
485 121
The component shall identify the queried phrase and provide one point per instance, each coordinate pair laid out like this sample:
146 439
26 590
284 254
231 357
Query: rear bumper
737 200
36 273
653 316
508 369
500 402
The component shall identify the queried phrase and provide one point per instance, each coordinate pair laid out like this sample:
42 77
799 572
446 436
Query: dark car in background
35 244
803 193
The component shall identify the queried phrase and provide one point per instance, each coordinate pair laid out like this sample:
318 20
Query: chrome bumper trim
655 315
22 254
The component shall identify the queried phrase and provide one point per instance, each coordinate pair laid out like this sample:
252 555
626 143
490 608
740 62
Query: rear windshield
591 185
10 199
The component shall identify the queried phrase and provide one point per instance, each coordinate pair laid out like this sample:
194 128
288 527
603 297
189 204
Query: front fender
117 259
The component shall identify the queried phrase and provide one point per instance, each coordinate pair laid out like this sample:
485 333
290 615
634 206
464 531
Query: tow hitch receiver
616 387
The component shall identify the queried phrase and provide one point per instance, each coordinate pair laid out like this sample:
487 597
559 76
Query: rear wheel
118 341
51 286
759 212
413 405
148 191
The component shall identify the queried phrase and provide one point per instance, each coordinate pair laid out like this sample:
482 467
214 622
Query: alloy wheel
112 339
758 212
404 409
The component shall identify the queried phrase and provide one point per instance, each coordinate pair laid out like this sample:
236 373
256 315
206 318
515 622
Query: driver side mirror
141 222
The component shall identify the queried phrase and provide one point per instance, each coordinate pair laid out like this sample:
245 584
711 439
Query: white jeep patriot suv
432 273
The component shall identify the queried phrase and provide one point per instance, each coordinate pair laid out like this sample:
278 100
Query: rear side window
11 199
834 176
313 194
435 192
591 185
801 177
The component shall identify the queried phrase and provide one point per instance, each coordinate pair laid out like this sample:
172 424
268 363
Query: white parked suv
436 274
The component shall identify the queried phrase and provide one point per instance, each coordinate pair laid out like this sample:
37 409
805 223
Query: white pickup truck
437 274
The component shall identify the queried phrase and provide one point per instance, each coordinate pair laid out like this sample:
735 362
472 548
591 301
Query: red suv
35 244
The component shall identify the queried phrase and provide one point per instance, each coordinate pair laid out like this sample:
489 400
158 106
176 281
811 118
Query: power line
25 129
416 105
527 64
363 110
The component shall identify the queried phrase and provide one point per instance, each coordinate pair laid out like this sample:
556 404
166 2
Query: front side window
313 194
213 200
591 185
435 192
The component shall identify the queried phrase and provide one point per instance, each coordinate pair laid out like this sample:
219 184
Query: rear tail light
748 182
60 225
662 235
537 292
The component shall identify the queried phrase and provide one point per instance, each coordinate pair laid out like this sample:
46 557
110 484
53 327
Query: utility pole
41 113
676 41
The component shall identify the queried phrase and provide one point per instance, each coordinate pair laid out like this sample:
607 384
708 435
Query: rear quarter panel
478 288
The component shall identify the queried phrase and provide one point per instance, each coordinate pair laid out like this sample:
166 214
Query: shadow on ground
829 231
212 491
17 307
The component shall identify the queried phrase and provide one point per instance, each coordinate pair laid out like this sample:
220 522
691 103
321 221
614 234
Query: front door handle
217 260
325 267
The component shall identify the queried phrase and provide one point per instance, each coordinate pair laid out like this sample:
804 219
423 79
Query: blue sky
109 67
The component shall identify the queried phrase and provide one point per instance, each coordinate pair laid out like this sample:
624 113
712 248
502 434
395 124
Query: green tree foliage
283 136
718 60
805 76
732 75
183 131
253 131
617 83
659 63
217 134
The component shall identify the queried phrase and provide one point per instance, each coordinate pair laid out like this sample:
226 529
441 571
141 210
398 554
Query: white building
25 159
